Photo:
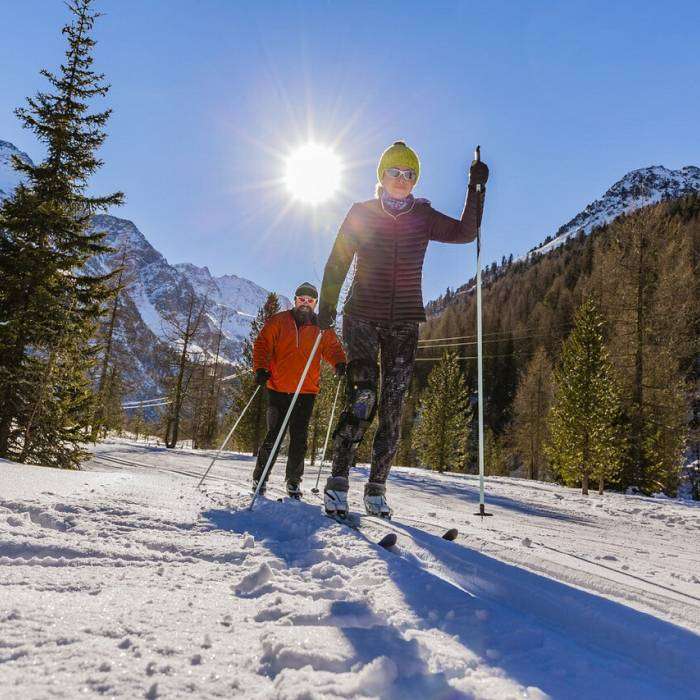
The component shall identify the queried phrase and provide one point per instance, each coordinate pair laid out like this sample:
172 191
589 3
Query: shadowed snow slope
127 581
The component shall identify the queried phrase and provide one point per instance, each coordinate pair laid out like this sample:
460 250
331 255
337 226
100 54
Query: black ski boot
263 488
294 490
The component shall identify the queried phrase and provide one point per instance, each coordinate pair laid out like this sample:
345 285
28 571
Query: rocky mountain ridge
637 189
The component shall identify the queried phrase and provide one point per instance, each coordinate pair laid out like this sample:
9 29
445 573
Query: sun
313 173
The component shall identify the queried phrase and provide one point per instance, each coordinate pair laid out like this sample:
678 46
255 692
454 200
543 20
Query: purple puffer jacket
390 250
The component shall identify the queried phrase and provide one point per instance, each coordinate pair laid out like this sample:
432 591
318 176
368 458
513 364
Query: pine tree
251 430
531 407
440 437
585 440
49 304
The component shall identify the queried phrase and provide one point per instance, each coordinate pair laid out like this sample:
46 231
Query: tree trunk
38 406
174 423
98 416
186 335
638 387
601 485
584 484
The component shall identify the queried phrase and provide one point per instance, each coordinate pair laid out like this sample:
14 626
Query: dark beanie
306 289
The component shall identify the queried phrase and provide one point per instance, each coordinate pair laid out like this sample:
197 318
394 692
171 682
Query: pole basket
482 512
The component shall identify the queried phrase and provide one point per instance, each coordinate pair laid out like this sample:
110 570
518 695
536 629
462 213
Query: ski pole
286 420
228 437
480 190
328 434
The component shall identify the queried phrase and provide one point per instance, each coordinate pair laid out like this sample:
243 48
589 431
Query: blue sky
209 97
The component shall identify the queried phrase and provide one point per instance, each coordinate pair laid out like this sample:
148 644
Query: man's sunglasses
409 175
307 300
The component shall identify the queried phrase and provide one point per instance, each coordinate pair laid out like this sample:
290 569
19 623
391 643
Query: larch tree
533 400
644 277
182 333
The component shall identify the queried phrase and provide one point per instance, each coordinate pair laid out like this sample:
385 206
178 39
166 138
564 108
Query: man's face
305 302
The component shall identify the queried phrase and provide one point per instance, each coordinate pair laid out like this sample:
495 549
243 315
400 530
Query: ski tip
388 540
451 535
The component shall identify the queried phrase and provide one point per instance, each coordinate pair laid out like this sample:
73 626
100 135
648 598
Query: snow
127 581
9 177
238 298
637 189
148 313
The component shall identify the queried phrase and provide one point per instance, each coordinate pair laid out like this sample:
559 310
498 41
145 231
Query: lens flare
313 173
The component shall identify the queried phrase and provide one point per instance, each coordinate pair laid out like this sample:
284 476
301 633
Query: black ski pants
298 426
395 345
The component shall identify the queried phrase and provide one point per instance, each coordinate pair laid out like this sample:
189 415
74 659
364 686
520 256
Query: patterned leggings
363 342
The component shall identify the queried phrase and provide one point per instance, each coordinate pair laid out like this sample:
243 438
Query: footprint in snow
255 580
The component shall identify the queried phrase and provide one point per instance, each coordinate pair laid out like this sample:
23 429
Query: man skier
280 354
388 236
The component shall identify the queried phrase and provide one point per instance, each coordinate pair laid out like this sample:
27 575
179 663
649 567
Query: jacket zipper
393 230
393 273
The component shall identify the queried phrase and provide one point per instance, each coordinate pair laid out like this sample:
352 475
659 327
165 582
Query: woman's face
397 187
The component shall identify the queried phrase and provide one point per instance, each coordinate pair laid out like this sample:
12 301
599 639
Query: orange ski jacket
283 348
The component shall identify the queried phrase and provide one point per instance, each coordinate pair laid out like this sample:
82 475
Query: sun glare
313 173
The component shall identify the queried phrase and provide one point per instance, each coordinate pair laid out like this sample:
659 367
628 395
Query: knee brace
361 402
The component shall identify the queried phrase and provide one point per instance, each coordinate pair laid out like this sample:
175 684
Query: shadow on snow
497 611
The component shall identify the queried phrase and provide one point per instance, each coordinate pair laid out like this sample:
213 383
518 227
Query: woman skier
388 236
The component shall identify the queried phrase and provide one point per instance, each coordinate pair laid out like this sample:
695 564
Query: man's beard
304 313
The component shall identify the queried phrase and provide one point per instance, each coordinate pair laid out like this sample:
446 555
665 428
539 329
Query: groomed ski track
555 596
486 576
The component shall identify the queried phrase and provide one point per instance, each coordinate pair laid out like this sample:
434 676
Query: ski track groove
441 529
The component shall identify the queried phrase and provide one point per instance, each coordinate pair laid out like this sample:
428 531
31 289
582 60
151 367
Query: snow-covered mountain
9 177
637 189
156 291
161 291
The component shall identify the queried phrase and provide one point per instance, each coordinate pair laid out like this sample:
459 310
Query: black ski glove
261 376
478 173
326 317
340 369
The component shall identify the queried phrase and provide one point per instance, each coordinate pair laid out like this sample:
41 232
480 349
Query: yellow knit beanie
398 155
